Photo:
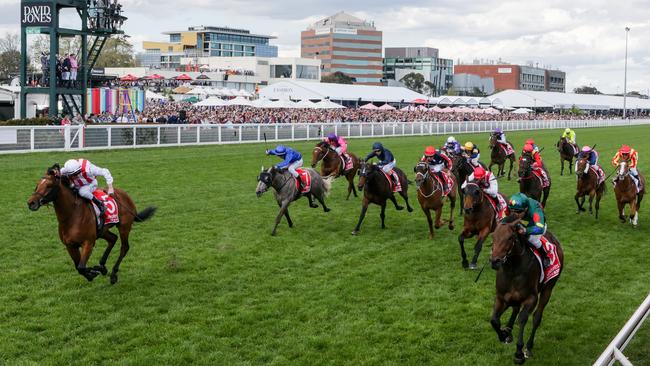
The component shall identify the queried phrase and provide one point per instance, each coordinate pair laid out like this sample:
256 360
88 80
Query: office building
401 61
518 77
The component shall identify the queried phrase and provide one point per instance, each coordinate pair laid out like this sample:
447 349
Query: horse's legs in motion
111 239
633 212
599 195
397 207
86 250
511 323
351 189
562 165
405 195
74 254
621 210
124 248
382 215
452 205
544 297
591 200
311 201
427 213
527 307
438 214
322 202
461 242
364 208
498 310
283 209
512 162
545 192
479 245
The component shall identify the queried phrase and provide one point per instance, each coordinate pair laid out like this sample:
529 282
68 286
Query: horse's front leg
394 200
86 251
311 201
561 165
452 205
322 202
621 210
537 319
498 310
479 245
461 241
364 208
283 208
577 198
405 196
591 200
512 162
527 307
427 213
111 239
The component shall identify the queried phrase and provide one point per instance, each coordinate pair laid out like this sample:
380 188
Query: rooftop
343 20
225 30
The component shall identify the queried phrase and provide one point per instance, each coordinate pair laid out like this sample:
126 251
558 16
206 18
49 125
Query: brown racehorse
529 183
431 198
332 166
498 157
377 190
479 219
568 152
77 222
587 185
626 194
462 169
517 284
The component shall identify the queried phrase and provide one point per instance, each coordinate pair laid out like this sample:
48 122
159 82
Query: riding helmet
586 149
479 172
378 146
530 141
518 202
429 151
332 136
625 149
280 150
498 130
469 145
528 148
567 130
451 139
72 167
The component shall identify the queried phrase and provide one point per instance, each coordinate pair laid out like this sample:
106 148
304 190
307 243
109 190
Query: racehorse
430 196
332 165
462 169
530 184
587 185
626 193
377 189
498 157
286 191
77 222
518 284
568 152
480 219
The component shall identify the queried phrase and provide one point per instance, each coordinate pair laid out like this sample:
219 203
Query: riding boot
102 209
542 253
300 184
443 182
394 178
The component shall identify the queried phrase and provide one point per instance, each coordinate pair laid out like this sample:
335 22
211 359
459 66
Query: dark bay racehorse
461 170
431 198
286 191
518 285
587 185
78 225
529 183
567 151
332 165
377 189
626 194
479 219
498 157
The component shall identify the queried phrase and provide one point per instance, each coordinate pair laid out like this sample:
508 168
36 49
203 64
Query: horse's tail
145 214
327 184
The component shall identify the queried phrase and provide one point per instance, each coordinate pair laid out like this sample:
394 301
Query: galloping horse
461 170
529 183
480 219
567 151
431 197
332 166
78 225
286 191
498 157
518 284
587 185
377 189
626 193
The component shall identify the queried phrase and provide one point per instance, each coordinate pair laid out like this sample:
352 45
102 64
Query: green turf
205 283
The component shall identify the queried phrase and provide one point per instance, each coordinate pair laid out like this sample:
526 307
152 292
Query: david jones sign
35 14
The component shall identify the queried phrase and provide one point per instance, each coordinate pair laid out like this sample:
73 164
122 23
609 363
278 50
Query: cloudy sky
585 38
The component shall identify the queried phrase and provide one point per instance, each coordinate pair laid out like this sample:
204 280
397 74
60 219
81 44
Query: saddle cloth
395 187
553 270
538 173
306 180
502 210
111 215
599 173
507 149
346 165
448 185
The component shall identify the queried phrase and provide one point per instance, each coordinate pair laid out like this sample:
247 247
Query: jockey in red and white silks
83 174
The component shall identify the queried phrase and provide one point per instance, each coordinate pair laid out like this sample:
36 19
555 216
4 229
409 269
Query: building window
226 53
281 71
175 38
249 48
226 46
306 72
215 53
239 47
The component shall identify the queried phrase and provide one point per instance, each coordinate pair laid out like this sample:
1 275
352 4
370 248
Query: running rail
614 352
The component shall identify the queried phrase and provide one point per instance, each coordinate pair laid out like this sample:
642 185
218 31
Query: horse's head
46 189
493 141
319 152
421 173
264 181
581 166
504 239
525 165
473 197
364 169
623 169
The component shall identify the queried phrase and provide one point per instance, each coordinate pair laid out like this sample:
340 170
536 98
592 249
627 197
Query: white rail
21 139
614 352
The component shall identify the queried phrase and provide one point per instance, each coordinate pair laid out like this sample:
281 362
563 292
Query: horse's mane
509 219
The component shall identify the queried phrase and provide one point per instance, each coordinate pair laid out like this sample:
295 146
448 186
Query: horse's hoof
101 269
578 211
438 226
451 226
519 359
399 208
528 353
313 206
113 279
273 233
327 209
410 209
465 263
472 265
430 236
355 232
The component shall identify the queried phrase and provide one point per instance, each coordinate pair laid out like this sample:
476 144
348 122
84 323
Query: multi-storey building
508 76
400 61
346 44
205 42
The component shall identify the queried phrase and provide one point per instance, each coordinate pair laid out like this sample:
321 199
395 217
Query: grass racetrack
205 283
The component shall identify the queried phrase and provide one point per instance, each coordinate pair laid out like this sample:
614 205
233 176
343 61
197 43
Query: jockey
437 162
532 218
532 142
590 154
292 160
472 153
83 174
487 181
631 156
570 135
452 146
538 165
386 159
339 144
501 136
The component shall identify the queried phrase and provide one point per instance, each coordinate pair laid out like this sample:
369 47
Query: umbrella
521 111
153 77
419 101
181 90
203 77
436 109
387 107
369 106
184 77
129 77
152 95
328 104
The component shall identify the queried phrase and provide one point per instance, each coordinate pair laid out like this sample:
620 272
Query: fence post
31 138
109 136
276 132
240 130
219 133
293 132
178 135
66 137
198 134
259 133
158 135
134 136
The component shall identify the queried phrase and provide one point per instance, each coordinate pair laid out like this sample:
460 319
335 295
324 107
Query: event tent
328 104
153 95
240 101
211 102
555 100
386 107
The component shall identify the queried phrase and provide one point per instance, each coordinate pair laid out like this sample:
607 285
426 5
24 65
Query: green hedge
41 121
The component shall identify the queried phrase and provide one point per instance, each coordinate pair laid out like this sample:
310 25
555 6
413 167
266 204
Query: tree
117 52
338 78
9 56
413 81
429 88
452 91
586 90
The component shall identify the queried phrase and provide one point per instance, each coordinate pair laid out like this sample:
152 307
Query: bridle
426 176
474 204
513 239
529 168
44 199
320 148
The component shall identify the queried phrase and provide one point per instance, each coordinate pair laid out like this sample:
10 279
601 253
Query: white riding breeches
339 150
437 168
536 240
87 190
388 168
293 166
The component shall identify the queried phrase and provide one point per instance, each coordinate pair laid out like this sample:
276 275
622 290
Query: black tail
145 214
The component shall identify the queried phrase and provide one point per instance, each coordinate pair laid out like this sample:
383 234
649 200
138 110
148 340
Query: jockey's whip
610 174
479 273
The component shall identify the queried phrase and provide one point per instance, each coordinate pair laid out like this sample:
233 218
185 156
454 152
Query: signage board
36 14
